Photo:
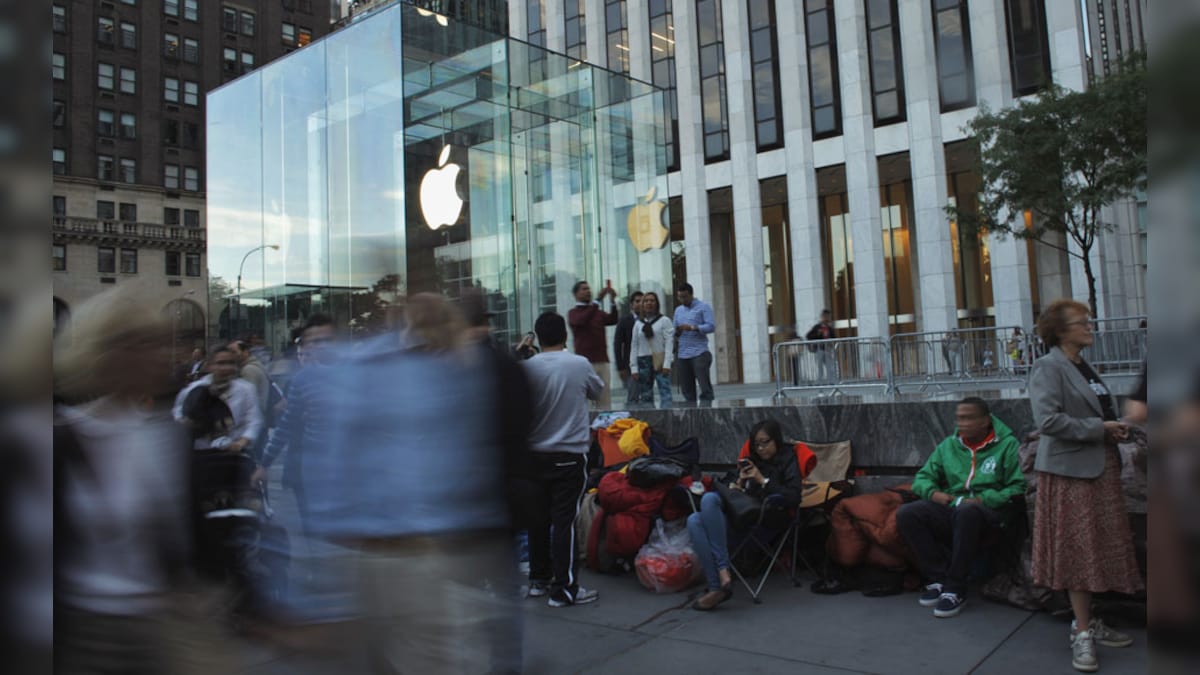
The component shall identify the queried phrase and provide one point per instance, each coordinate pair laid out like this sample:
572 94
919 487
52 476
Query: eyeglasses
1082 322
763 444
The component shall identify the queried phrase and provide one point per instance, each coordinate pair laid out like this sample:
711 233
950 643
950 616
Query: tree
1062 156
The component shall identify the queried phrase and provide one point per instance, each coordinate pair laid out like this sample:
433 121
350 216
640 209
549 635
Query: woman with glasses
1081 536
770 470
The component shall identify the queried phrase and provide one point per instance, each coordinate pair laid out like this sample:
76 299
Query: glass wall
824 89
952 38
400 155
662 60
711 36
972 258
896 215
777 260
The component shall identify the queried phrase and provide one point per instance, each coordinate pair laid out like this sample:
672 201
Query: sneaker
564 599
933 593
1104 635
1083 652
948 605
537 589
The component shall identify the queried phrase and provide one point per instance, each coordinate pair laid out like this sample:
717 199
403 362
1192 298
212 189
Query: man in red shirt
588 320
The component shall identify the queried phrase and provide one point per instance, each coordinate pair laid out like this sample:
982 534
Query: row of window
230 61
124 170
106 210
112 32
107 260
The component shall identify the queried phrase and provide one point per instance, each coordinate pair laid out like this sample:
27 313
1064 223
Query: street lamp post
238 325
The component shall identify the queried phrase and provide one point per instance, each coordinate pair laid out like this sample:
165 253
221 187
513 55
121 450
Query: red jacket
587 325
630 512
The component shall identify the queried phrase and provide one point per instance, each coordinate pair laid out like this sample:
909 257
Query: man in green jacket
965 487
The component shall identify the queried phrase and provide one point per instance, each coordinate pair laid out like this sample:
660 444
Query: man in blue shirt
693 322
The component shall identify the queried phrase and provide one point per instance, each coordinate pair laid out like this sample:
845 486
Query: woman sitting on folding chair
769 470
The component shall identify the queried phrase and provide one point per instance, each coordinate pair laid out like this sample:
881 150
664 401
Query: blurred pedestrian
194 407
823 330
562 383
251 369
588 321
653 349
622 344
1081 537
693 322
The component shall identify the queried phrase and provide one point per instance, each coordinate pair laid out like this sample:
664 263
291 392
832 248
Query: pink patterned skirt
1081 536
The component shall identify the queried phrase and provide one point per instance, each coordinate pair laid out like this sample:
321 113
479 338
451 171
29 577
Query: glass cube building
409 152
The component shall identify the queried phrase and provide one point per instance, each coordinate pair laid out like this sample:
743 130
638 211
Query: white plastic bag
667 563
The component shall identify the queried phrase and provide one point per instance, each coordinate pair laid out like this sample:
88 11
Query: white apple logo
440 203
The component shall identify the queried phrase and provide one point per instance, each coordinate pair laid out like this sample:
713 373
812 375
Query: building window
191 50
106 210
229 20
171 176
58 254
191 179
191 10
823 84
106 260
662 70
128 81
128 212
171 132
171 90
60 19
105 123
837 248
191 218
170 45
887 72
305 36
59 204
58 161
59 116
173 268
248 24
104 76
970 248
229 60
191 135
170 216
129 261
128 35
191 264
191 93
106 31
536 22
129 126
171 7
768 120
952 37
712 79
1028 45
575 29
289 34
247 62
616 26
58 66
104 167
128 170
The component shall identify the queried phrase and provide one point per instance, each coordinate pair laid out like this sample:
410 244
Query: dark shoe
950 604
711 599
931 595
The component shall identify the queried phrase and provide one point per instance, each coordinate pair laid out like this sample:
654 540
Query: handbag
741 509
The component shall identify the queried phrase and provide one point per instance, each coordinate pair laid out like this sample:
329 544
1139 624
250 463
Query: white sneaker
582 596
1083 652
1104 635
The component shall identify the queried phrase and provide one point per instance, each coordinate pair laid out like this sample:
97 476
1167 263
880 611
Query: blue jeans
709 538
647 376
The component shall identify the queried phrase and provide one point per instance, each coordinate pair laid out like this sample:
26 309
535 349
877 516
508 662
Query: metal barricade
1118 344
960 356
830 366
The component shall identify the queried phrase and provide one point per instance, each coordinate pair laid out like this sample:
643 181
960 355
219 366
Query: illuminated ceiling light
442 20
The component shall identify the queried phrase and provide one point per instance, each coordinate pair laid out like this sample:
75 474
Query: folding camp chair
769 539
824 487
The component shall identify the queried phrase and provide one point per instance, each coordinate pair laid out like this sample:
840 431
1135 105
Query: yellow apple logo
646 230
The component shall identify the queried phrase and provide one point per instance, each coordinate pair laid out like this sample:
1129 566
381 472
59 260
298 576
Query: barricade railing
1118 344
957 357
832 365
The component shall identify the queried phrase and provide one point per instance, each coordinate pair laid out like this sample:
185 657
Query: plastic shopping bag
667 563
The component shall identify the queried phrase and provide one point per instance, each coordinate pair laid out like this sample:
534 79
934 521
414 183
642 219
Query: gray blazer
1068 413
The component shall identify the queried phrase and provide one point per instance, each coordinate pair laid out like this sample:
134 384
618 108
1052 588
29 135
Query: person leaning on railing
1081 536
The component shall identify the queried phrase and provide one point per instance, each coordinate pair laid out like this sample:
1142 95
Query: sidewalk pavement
631 630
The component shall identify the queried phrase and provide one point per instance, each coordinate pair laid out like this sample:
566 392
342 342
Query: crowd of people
417 455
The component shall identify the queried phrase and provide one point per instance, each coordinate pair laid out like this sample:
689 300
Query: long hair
775 432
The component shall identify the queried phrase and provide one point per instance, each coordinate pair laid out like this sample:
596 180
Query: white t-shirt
562 383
